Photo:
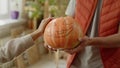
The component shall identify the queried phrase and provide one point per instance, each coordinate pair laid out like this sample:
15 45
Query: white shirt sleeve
15 47
70 11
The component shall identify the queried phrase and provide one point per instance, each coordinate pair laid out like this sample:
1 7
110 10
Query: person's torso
108 25
90 56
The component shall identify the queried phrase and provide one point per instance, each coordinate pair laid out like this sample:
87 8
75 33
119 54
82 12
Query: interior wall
18 8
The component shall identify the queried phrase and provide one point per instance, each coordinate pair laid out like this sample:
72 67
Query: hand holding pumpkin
62 33
43 24
83 42
37 33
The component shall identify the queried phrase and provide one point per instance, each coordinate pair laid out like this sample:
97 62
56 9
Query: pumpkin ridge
62 33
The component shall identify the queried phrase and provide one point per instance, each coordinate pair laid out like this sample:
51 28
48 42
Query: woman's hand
42 25
41 28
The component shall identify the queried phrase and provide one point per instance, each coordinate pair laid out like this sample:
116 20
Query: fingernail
80 39
49 46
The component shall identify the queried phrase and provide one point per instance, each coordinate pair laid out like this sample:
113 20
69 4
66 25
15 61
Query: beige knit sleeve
15 47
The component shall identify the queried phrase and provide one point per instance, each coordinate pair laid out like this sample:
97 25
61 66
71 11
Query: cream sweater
15 47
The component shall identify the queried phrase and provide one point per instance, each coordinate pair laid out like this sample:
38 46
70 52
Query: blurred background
21 17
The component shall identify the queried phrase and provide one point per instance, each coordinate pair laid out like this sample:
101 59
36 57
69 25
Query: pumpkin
62 33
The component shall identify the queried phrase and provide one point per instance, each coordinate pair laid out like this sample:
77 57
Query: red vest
108 25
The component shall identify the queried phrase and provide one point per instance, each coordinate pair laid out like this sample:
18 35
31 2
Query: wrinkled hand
82 44
49 48
37 33
43 24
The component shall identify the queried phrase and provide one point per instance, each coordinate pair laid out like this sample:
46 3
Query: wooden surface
33 54
20 62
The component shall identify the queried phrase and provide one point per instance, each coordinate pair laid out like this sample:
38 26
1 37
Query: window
4 9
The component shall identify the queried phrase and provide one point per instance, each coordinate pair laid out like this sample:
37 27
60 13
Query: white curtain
3 7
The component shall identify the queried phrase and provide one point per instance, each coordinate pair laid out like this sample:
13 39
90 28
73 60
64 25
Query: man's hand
82 44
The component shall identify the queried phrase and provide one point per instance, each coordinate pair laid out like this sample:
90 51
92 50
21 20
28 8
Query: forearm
15 47
36 34
109 41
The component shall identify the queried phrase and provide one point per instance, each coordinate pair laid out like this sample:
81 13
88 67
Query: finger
75 50
54 49
45 45
79 48
70 51
86 37
44 24
45 21
49 48
81 40
48 19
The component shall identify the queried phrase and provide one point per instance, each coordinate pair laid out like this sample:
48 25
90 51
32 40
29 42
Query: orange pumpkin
62 33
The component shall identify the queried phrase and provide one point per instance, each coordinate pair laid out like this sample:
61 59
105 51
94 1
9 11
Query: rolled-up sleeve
70 11
15 47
